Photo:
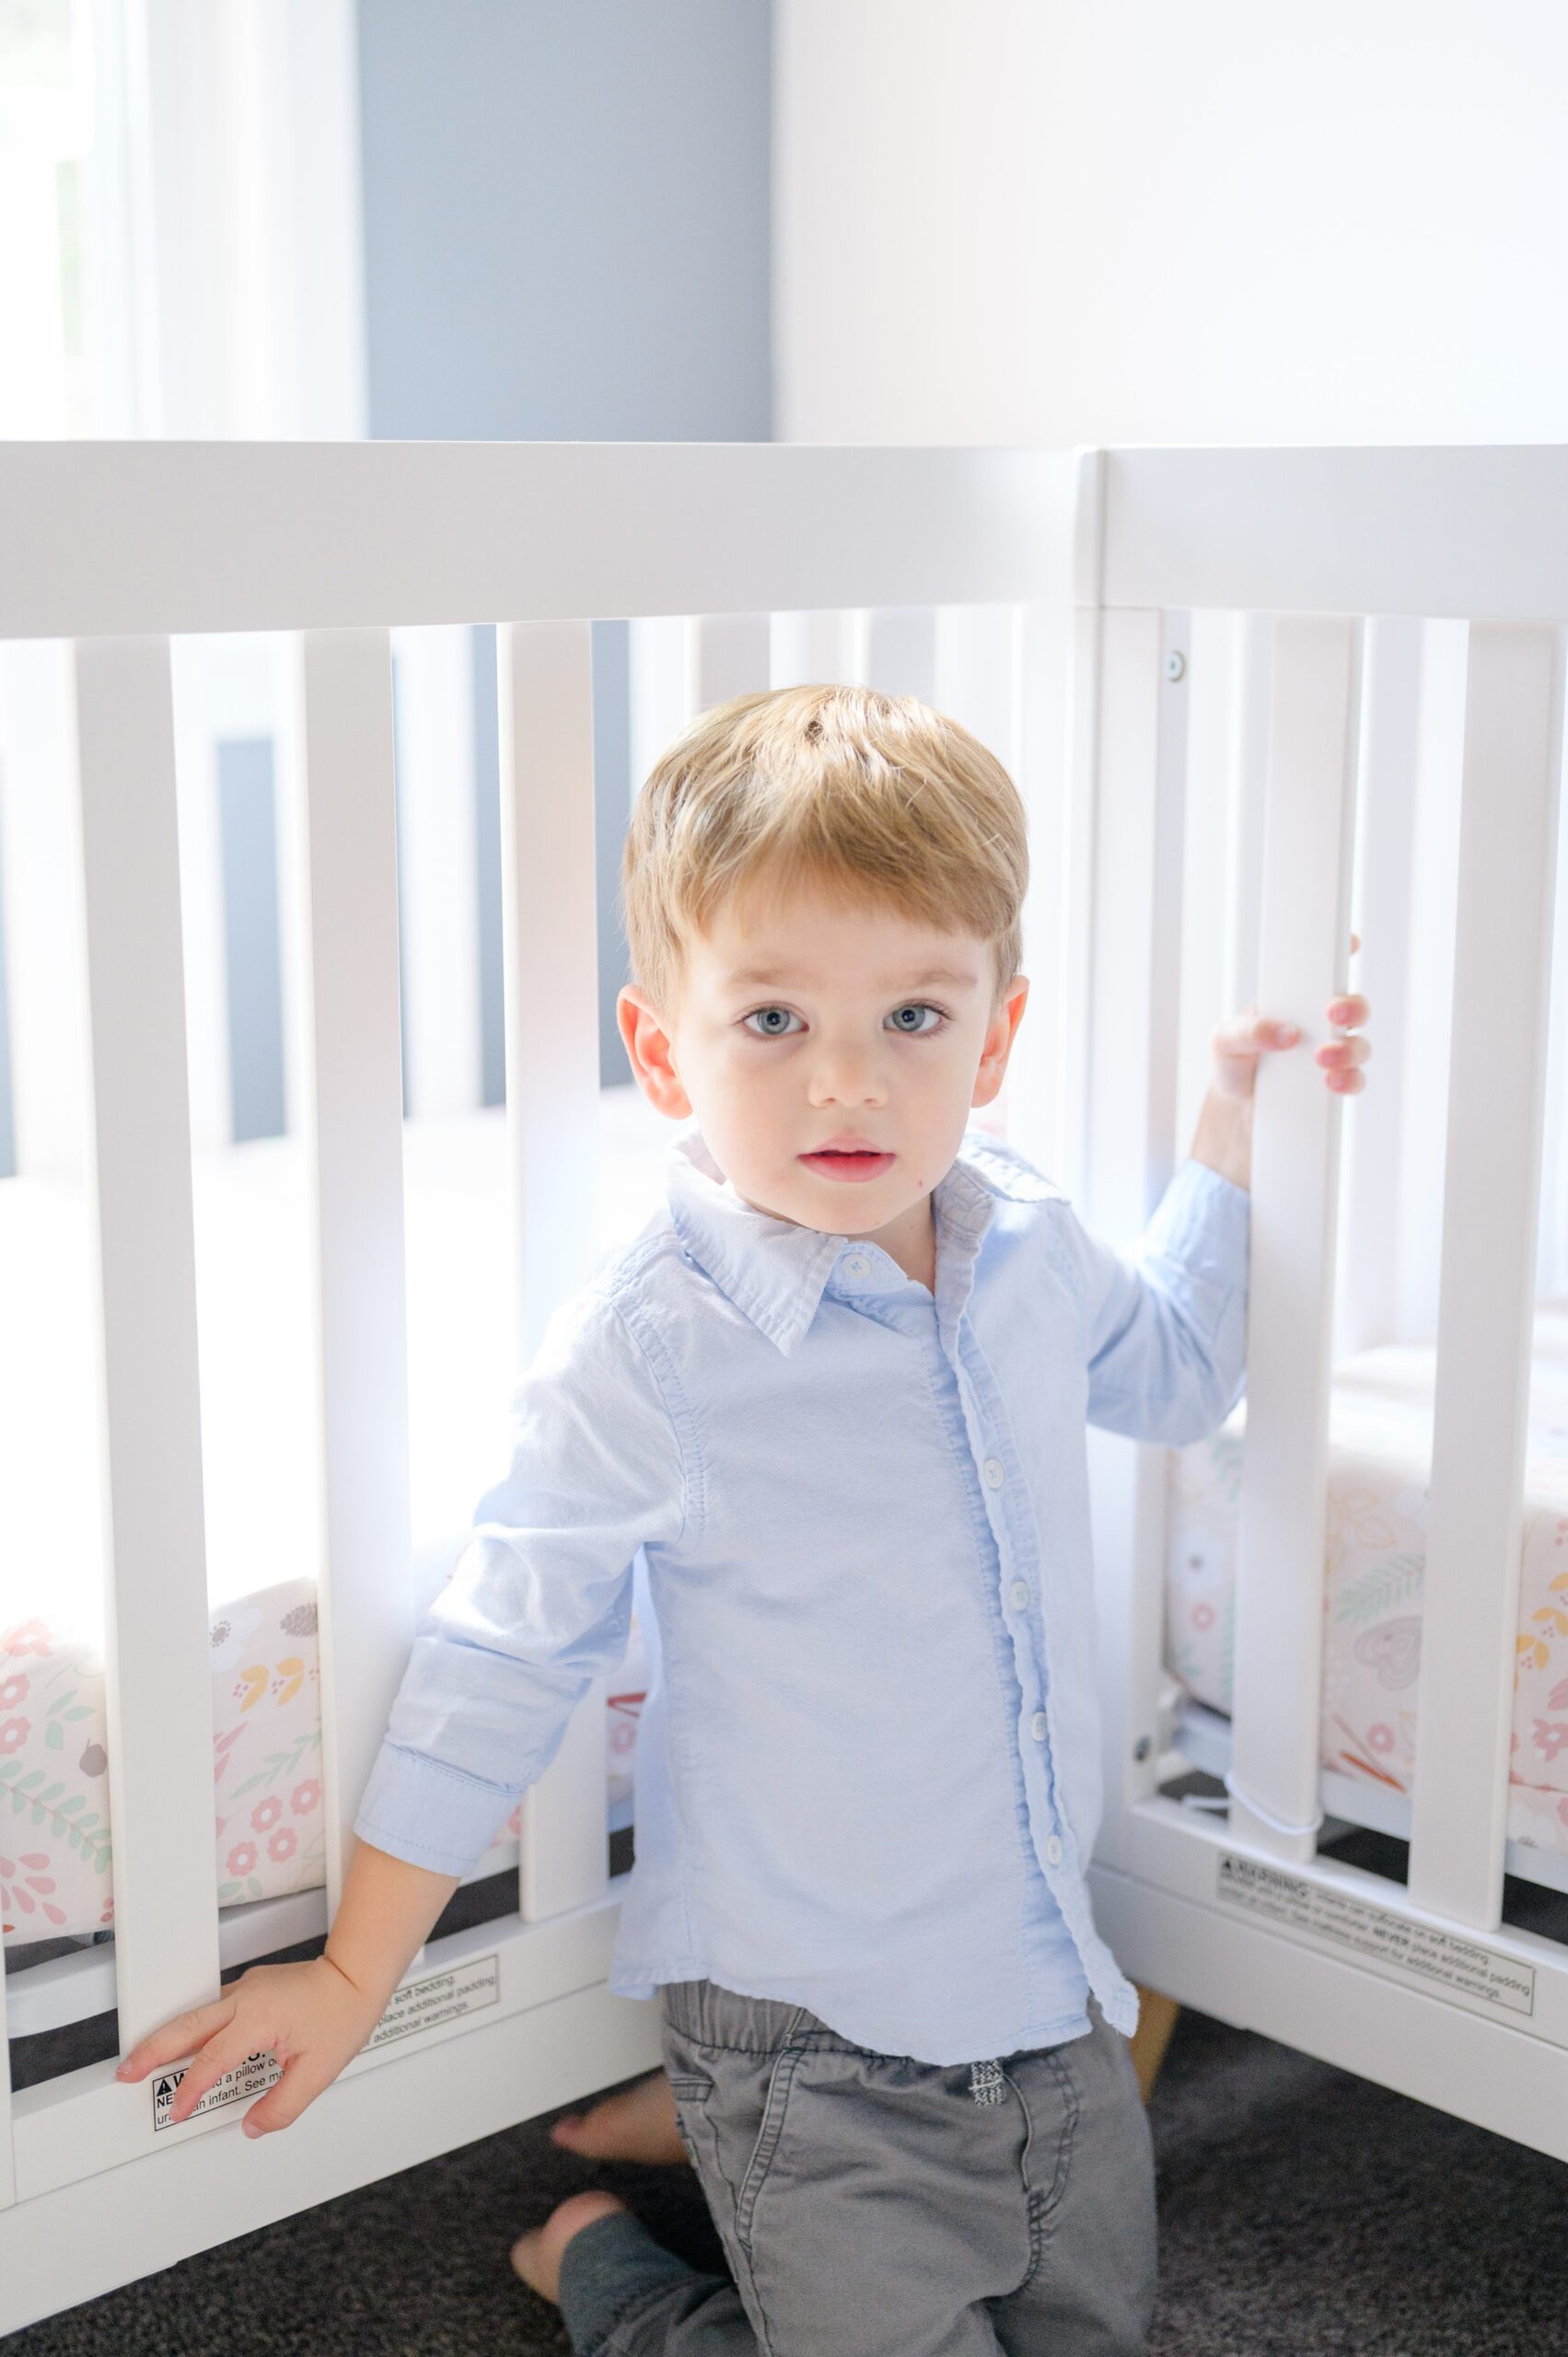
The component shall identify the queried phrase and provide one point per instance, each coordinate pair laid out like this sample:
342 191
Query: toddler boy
835 1392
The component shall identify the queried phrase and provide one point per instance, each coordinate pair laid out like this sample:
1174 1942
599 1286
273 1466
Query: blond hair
866 797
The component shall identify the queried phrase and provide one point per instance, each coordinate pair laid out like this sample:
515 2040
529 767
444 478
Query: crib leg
1157 2016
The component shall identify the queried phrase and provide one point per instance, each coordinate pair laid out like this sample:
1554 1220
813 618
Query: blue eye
771 1029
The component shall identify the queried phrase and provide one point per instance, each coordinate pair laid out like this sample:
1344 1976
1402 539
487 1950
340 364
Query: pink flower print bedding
56 1872
1379 1455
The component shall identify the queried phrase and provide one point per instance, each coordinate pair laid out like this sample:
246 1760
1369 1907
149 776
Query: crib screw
1141 1748
1176 667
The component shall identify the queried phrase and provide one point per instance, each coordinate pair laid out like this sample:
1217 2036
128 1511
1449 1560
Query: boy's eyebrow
765 975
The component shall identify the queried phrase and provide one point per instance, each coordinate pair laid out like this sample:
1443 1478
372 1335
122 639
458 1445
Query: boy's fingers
301 2082
220 2054
1239 1035
180 2035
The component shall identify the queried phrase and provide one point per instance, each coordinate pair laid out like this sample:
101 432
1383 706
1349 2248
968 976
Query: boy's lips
843 1162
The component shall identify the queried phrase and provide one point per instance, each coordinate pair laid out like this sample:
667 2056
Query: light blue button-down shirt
867 1772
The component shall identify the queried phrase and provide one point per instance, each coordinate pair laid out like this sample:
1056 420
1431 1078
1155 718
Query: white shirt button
1020 1594
856 1263
995 1471
1037 1727
1053 1851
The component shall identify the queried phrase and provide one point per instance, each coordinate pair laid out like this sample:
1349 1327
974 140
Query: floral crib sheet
56 1876
1380 1456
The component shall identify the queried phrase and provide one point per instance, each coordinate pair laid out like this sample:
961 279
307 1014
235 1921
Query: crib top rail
113 538
1477 534
108 539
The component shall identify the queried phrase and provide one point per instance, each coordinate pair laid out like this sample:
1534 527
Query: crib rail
1324 554
748 566
738 567
106 538
1479 534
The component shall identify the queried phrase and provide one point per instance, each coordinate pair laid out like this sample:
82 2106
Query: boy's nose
848 1083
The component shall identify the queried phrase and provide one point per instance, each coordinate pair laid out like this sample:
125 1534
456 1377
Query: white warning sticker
251 2077
440 1997
1460 1965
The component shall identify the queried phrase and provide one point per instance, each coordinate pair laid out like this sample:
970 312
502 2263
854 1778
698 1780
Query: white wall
1133 221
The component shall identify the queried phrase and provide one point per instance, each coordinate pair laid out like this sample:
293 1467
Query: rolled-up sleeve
539 1602
1165 1328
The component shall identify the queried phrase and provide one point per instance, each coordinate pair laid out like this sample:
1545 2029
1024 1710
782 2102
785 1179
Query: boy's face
867 1026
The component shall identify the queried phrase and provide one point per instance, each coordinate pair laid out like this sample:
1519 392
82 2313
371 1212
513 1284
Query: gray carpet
1302 2210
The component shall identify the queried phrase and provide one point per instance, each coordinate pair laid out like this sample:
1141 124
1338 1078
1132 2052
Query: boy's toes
637 2124
536 2256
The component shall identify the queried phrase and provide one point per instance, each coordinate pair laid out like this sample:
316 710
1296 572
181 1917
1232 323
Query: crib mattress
1380 1456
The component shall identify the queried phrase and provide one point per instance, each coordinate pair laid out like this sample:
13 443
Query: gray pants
872 2206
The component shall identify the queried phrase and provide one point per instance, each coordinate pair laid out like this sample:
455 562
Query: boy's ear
1000 1035
649 1052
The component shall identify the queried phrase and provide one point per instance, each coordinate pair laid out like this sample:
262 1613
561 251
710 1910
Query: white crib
1207 670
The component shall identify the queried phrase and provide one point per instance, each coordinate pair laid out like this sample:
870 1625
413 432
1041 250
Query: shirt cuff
1204 1220
429 1815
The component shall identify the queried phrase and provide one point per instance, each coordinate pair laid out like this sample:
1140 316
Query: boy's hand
1239 1041
311 2015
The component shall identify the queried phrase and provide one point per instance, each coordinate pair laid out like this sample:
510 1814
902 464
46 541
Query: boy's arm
539 1602
1165 1329
388 1910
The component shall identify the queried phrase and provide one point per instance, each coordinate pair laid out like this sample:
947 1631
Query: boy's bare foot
536 2256
638 2124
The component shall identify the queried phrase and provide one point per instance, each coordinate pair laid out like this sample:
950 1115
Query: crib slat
1055 915
158 1672
1501 956
901 650
438 866
1074 1048
42 959
661 687
8 2149
1304 945
353 1104
816 645
551 937
1367 1310
1255 693
1136 953
1214 693
1428 955
730 654
976 675
202 893
549 932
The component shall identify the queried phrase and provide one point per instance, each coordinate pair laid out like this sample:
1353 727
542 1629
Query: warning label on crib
251 2077
1374 1936
440 1997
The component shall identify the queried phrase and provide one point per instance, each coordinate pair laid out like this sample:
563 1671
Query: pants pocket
780 2080
690 2092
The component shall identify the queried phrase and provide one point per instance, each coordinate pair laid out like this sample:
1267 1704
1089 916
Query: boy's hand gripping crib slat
1112 561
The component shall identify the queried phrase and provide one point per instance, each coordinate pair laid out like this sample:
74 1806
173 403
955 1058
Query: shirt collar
777 1271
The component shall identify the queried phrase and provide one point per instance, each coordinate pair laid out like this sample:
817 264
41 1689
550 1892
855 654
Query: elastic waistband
710 2015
